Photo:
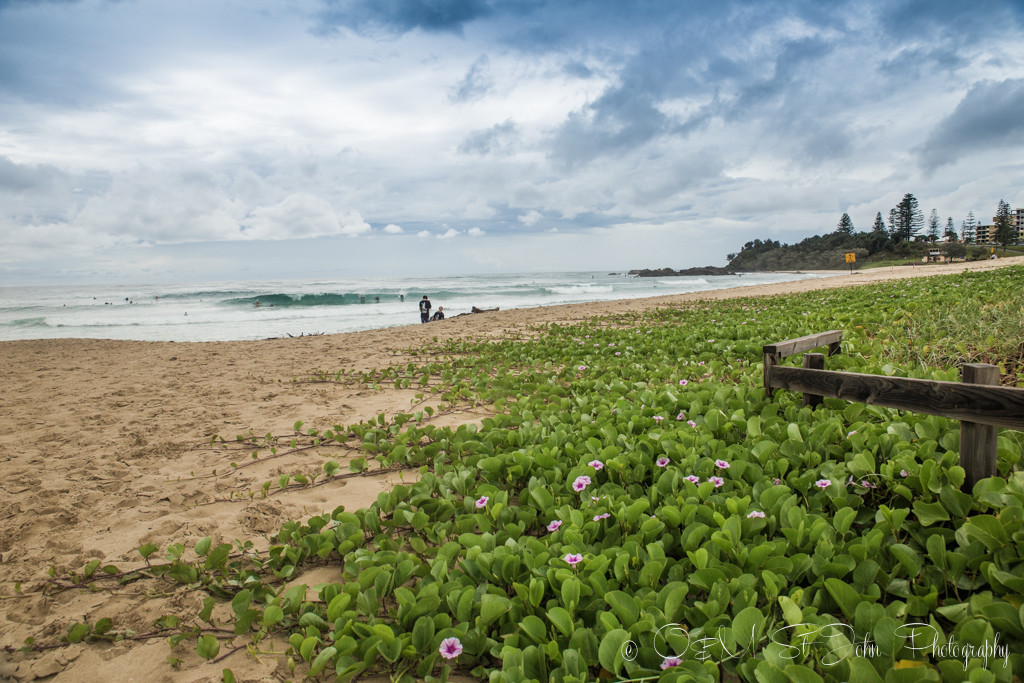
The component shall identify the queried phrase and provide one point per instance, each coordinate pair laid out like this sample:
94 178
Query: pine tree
950 230
845 225
1003 225
879 225
968 228
906 220
933 226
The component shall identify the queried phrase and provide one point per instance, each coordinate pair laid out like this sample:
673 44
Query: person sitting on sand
440 313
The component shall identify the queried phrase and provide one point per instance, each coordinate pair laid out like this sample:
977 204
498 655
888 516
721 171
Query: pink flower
681 416
662 462
582 367
755 514
722 464
777 481
581 483
693 479
553 526
482 502
658 418
849 434
670 662
867 484
904 473
596 464
618 353
450 648
691 423
605 515
823 484
683 382
573 560
717 481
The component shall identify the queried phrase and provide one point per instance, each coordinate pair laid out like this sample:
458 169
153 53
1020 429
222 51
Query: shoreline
105 447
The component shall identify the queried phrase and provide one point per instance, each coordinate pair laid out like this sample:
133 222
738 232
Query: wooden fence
981 405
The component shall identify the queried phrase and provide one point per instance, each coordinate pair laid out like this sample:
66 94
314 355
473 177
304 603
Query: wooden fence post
813 361
771 358
978 441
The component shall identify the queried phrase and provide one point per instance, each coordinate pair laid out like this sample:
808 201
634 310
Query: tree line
893 237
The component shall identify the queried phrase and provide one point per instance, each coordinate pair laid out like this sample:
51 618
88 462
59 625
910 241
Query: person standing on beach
424 309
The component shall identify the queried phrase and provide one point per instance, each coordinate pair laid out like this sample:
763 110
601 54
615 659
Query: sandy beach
104 447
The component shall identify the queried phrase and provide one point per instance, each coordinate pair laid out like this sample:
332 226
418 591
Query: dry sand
104 447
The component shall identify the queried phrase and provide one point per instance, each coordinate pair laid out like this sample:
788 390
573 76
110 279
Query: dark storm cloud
953 20
988 117
401 16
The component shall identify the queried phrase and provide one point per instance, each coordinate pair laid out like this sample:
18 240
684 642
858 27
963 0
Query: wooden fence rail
981 405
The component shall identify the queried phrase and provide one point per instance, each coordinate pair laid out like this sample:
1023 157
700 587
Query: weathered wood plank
813 361
812 341
996 406
978 441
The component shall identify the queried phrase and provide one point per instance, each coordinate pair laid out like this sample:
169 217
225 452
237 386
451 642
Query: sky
212 140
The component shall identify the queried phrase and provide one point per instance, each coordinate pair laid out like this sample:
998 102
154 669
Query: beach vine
634 506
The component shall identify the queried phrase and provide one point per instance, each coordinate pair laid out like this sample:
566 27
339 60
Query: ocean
262 309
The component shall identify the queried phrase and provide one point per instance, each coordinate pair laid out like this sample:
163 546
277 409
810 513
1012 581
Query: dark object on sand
476 310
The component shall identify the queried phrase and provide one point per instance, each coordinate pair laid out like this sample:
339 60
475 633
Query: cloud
400 16
423 234
988 117
476 83
448 234
501 138
530 218
301 215
475 232
393 229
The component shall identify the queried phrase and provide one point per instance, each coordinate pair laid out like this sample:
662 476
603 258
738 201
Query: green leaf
561 619
790 610
208 647
228 676
609 653
492 607
272 615
798 673
533 627
930 513
747 627
148 549
988 530
218 556
624 606
843 519
207 611
203 546
322 660
908 558
78 632
845 597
